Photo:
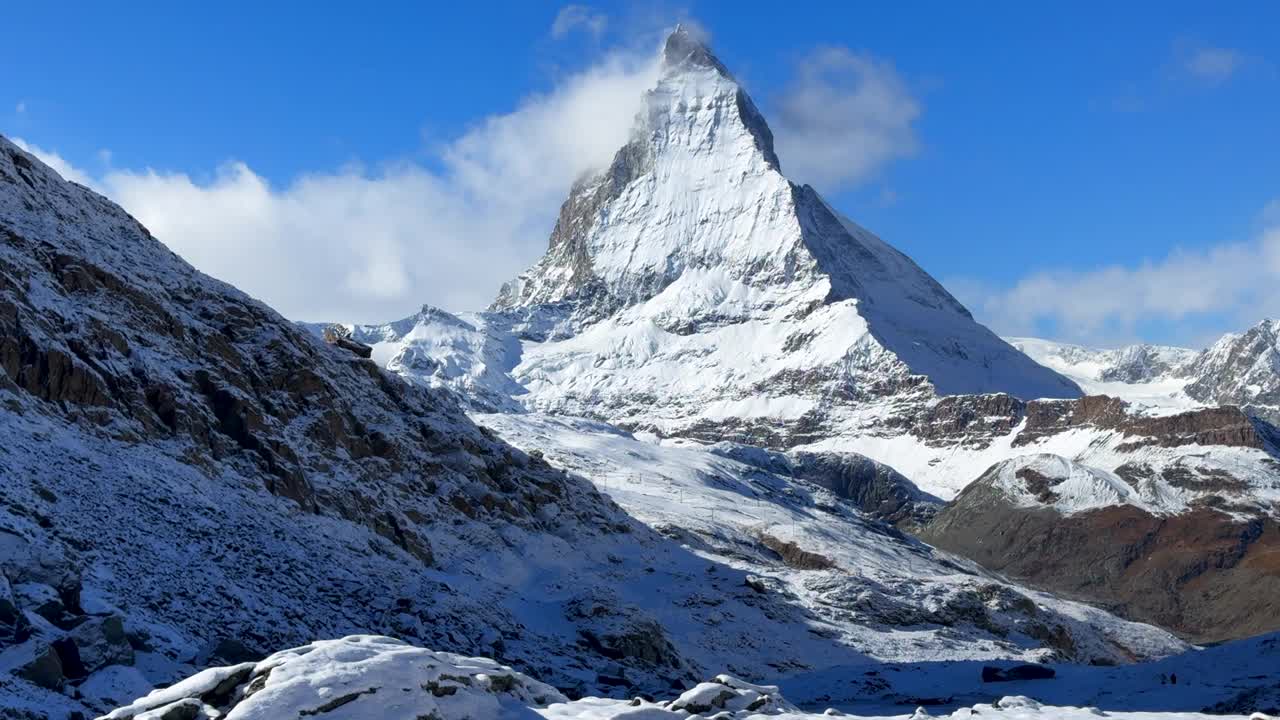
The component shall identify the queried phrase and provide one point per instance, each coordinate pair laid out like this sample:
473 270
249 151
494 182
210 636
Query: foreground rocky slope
187 475
189 479
376 677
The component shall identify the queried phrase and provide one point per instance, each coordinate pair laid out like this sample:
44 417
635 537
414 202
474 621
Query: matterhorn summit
690 288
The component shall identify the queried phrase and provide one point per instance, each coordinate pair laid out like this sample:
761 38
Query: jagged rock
182 407
341 336
14 626
969 420
44 668
780 319
101 641
991 674
229 651
874 488
1240 369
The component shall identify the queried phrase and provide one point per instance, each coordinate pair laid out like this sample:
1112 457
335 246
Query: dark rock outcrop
991 673
968 420
341 336
872 487
976 420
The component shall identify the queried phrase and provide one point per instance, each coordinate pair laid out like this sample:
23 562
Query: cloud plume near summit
371 243
361 243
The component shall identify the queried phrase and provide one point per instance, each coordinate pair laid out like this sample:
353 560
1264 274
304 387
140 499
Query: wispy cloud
373 244
21 107
579 17
1230 285
843 117
1212 65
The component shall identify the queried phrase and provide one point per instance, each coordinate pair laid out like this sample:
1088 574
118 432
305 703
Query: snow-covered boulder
360 677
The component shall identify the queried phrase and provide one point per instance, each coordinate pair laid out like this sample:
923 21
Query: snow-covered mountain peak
693 231
697 186
1241 369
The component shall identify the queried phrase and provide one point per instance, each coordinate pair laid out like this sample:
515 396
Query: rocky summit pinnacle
683 48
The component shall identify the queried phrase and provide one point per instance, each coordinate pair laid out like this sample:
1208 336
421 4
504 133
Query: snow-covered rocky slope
190 479
1241 369
378 678
1129 540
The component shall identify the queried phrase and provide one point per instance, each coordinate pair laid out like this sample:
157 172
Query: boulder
14 626
101 641
341 337
44 668
1029 671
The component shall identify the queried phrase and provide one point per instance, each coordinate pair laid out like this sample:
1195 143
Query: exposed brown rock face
976 420
971 420
1202 574
1226 426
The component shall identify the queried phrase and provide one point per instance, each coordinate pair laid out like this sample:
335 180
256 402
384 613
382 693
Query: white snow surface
1238 369
1077 488
887 595
1153 377
378 678
360 677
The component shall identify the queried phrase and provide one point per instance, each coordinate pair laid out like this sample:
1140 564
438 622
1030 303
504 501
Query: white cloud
1230 286
372 245
579 17
1271 213
21 107
843 118
1212 65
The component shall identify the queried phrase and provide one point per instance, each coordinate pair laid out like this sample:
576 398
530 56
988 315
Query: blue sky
1085 171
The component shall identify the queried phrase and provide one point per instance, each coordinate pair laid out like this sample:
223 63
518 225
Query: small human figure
1173 678
1164 679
